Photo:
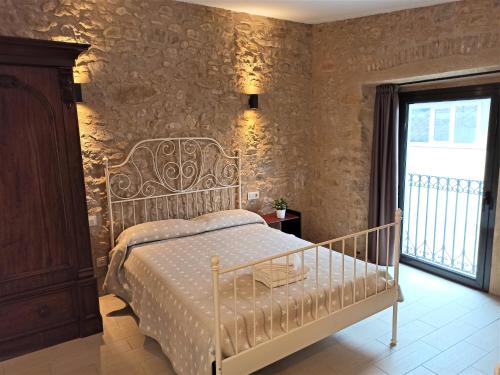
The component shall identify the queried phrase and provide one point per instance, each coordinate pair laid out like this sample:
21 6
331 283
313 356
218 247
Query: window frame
491 178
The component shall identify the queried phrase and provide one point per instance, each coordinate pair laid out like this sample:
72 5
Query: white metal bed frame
165 178
263 354
187 177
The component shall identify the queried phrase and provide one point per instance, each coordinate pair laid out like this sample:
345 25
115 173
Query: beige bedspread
163 270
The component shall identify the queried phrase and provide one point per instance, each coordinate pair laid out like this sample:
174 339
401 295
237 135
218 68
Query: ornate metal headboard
167 178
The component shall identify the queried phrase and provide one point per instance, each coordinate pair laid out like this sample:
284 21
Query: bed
188 260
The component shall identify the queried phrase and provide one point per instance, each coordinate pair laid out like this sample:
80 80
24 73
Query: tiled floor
444 329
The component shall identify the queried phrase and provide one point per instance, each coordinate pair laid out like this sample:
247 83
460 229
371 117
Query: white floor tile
474 299
407 359
482 316
487 363
409 312
348 355
80 369
456 359
409 333
444 315
437 300
157 366
369 369
365 331
473 371
487 338
341 358
447 336
421 370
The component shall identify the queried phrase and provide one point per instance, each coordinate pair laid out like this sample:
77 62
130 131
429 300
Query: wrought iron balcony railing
441 221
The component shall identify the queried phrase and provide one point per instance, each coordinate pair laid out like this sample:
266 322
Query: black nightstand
290 224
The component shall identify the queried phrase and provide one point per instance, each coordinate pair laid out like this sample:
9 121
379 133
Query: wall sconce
253 101
77 93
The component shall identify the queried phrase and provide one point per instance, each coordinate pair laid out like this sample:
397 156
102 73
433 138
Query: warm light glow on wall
248 65
251 86
249 126
64 38
85 116
250 79
249 138
250 117
81 74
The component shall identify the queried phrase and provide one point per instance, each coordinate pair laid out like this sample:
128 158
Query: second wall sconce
253 101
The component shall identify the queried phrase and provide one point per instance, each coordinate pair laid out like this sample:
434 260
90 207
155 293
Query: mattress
164 274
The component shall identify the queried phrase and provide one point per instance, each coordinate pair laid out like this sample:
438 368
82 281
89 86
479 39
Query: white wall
464 163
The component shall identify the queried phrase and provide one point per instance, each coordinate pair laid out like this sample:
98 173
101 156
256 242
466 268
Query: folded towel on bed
281 271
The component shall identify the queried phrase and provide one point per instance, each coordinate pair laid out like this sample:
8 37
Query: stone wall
349 59
160 68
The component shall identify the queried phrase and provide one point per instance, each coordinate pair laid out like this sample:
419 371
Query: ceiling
316 11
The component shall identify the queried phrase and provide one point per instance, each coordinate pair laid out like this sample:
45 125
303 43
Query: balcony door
448 180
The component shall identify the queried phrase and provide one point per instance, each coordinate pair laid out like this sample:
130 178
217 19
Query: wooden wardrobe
48 292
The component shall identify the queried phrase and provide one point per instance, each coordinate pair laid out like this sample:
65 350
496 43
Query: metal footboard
276 347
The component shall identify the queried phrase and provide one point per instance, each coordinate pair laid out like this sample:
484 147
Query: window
419 125
465 124
442 125
448 124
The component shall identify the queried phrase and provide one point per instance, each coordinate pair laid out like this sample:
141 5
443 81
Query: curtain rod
449 78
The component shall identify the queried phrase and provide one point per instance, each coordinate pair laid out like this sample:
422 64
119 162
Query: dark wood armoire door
48 291
35 232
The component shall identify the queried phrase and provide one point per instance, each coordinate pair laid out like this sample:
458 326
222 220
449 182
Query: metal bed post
238 155
215 284
397 243
110 207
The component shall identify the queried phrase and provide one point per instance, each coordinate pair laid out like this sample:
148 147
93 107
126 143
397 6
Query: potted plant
280 206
